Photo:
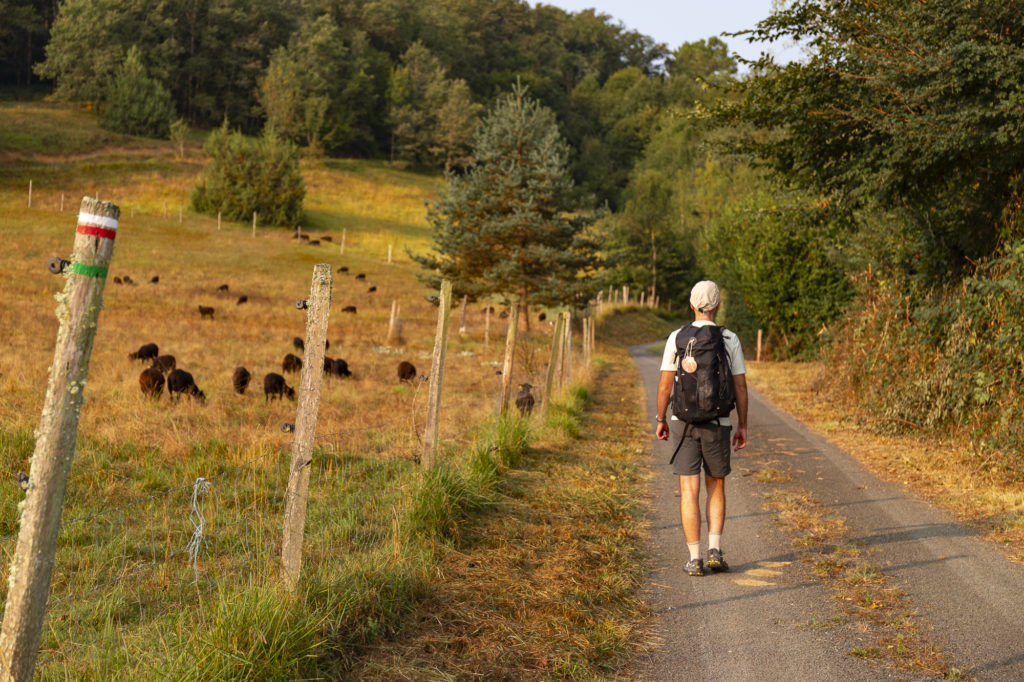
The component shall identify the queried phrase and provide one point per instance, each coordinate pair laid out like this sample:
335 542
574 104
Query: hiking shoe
694 567
715 561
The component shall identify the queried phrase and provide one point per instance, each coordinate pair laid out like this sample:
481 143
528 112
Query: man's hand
739 438
662 431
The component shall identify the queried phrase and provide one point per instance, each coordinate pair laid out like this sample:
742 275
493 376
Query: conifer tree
136 104
510 225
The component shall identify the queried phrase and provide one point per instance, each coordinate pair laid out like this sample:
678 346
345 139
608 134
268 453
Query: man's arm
664 391
739 438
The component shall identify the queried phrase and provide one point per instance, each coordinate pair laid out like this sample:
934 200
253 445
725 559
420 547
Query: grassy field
133 595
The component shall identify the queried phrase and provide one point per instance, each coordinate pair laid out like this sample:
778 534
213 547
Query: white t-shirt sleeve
668 358
734 350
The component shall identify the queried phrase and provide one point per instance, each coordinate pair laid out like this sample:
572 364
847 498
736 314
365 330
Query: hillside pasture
124 576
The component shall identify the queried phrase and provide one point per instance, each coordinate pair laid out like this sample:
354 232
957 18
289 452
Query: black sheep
314 242
371 290
274 385
291 363
343 268
240 380
542 317
349 309
339 368
241 299
180 381
361 276
205 311
156 278
147 351
164 363
406 371
222 287
117 280
151 381
328 364
327 238
299 344
525 401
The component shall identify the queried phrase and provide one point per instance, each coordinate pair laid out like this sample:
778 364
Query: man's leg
689 507
716 504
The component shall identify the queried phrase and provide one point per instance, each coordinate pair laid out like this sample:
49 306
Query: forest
863 201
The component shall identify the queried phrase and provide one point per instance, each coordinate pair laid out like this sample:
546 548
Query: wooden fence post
344 233
430 435
389 253
553 364
759 345
395 326
218 220
566 373
254 214
62 202
510 354
310 382
30 194
487 326
462 316
78 310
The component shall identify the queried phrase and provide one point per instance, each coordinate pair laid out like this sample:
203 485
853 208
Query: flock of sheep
164 372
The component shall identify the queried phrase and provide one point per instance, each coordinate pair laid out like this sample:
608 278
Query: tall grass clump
565 410
441 502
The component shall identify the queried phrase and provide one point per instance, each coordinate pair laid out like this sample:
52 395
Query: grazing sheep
222 287
361 276
542 317
151 381
525 401
179 381
241 299
339 368
240 380
343 268
291 363
127 280
504 314
304 236
117 280
488 309
274 385
299 344
147 351
349 309
205 311
164 363
328 364
314 242
434 300
371 290
327 238
327 344
155 279
406 371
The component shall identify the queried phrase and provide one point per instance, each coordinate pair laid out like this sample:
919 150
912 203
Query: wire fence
130 564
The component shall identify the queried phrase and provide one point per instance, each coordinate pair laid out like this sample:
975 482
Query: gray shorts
706 444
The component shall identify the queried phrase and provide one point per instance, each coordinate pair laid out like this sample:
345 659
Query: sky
675 22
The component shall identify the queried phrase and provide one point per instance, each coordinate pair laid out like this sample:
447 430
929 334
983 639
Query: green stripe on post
88 270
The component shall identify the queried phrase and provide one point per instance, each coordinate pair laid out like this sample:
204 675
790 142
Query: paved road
757 621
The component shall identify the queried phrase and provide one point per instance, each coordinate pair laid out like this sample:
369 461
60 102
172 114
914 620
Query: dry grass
120 576
948 470
544 586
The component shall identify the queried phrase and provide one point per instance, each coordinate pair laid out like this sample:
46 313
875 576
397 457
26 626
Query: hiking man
699 439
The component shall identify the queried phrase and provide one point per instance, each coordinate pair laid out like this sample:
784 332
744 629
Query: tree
247 175
136 104
509 225
417 93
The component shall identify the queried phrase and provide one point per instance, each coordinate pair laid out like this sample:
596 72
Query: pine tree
509 226
135 103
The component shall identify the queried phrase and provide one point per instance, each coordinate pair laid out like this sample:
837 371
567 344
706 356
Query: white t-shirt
732 348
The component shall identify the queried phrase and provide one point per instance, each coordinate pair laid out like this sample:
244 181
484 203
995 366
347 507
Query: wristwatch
659 419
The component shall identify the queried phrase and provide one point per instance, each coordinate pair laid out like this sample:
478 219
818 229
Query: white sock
714 541
694 549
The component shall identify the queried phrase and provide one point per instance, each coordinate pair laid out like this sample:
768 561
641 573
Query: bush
248 175
136 104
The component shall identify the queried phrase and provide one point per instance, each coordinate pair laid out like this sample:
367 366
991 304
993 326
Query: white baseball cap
704 296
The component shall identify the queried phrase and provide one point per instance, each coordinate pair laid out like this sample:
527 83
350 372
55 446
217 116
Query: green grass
49 128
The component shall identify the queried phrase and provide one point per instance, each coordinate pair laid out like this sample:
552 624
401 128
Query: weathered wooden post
462 316
759 345
218 220
62 202
510 354
30 194
566 373
254 214
430 433
395 326
553 364
389 253
344 233
78 310
487 326
310 382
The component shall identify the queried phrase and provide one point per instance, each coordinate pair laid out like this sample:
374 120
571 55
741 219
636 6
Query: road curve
760 620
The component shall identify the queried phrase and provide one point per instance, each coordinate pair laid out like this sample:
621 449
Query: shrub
248 175
136 104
